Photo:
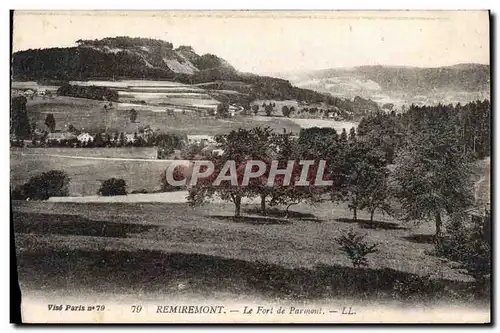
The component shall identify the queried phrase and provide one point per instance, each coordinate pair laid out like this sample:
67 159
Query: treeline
165 141
125 42
82 63
90 92
469 126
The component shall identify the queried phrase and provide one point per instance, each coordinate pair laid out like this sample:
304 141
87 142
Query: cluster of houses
86 138
30 93
208 143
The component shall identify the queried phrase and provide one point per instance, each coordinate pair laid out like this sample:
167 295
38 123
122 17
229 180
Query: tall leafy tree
360 173
133 116
239 146
20 125
50 122
433 174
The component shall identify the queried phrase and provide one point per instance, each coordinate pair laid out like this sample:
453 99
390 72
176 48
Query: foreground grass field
173 250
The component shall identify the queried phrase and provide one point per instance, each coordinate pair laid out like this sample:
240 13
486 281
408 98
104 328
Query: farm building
200 139
60 137
130 137
85 138
29 92
212 150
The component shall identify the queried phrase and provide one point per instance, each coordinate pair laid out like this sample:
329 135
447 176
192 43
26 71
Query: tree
121 140
343 136
20 126
269 109
255 109
133 116
223 110
286 111
317 143
205 189
112 187
352 134
376 193
360 172
433 175
383 132
98 141
50 122
356 248
44 185
72 129
239 146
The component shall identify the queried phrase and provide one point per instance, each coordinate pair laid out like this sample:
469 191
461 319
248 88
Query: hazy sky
270 42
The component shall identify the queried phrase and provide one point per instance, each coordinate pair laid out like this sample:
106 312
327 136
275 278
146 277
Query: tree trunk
355 214
372 212
263 204
288 207
438 225
237 206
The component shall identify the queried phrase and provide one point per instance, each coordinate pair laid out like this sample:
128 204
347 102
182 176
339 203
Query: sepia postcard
251 166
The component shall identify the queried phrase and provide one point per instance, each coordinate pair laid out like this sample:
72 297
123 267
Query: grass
135 248
121 152
86 175
91 116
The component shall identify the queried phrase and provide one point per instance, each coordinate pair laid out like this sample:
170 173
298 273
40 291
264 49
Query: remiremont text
296 173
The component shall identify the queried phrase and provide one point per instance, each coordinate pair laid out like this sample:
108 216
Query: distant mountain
402 85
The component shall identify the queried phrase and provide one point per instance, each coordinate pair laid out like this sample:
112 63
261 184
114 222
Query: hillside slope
401 85
122 58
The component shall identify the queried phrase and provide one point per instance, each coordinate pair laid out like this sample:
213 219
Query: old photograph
251 166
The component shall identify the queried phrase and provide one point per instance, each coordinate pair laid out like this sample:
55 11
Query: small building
29 92
85 138
200 139
60 137
130 137
212 150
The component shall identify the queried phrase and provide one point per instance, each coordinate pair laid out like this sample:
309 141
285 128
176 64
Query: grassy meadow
86 174
90 115
63 248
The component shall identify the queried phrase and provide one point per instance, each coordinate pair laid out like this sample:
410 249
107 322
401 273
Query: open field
122 152
308 123
66 248
87 174
90 115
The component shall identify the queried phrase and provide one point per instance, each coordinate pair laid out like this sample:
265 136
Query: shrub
141 191
18 193
113 186
42 186
466 246
355 248
412 285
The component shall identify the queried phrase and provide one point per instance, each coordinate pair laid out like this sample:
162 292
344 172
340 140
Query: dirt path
102 158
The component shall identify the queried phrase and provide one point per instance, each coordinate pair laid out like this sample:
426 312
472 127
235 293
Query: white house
232 110
29 92
130 137
200 139
85 138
